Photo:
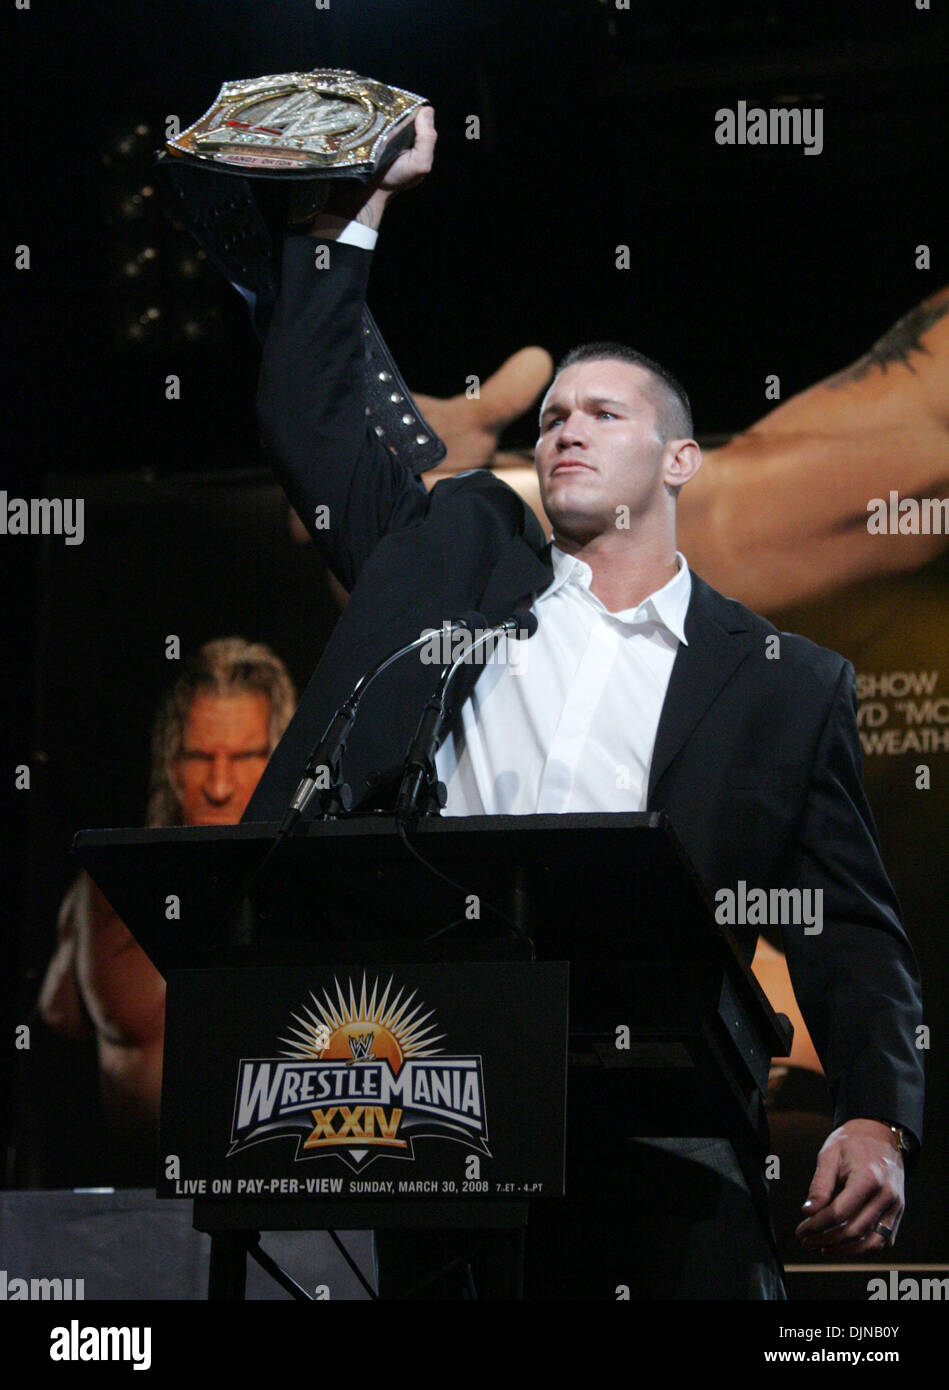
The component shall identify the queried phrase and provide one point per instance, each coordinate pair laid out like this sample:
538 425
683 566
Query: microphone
328 754
418 776
326 759
523 623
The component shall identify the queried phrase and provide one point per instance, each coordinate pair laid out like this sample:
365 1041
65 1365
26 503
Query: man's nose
219 783
571 432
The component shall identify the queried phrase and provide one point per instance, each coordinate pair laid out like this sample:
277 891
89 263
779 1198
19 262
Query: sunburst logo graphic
368 1031
361 1075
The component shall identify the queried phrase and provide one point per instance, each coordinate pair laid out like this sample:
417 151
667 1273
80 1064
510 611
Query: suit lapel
716 644
518 573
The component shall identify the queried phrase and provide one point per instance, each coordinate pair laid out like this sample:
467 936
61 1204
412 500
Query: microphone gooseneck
419 783
323 768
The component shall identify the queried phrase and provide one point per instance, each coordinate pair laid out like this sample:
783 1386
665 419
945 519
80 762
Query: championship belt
255 168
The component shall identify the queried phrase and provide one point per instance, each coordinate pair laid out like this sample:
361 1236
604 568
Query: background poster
580 192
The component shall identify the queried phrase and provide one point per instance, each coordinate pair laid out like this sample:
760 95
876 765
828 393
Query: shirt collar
667 605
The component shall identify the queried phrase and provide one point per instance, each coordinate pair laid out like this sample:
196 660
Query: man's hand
857 1187
471 427
365 202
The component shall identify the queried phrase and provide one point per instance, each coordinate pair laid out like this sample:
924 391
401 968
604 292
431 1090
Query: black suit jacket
757 758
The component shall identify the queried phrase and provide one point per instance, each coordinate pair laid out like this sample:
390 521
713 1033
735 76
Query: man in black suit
650 691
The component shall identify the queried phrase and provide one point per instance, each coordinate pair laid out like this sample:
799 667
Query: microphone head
525 624
473 621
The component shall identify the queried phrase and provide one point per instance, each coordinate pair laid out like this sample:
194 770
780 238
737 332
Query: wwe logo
360 1048
300 115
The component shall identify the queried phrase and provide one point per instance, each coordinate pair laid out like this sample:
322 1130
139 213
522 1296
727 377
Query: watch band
904 1140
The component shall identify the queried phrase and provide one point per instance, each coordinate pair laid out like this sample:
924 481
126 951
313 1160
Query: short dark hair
673 411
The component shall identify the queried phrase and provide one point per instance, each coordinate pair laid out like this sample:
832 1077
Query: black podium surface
599 890
584 874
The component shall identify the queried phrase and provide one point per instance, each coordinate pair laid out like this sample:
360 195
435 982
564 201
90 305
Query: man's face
598 447
224 750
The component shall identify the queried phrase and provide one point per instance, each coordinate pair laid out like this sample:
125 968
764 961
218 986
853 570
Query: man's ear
683 461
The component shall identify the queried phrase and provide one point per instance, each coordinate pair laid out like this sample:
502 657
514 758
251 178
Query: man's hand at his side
366 202
858 1185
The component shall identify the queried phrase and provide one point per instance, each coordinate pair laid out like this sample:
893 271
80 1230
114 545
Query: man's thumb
516 383
823 1182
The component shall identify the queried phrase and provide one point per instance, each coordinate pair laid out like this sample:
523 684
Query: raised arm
345 485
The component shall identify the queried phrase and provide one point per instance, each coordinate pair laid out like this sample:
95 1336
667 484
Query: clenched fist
365 202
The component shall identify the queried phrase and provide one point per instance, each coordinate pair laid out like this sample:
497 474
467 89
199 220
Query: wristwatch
905 1141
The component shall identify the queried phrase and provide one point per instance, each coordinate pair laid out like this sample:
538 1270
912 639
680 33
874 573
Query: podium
487 926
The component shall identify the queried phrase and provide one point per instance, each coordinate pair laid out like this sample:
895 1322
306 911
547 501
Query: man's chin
577 522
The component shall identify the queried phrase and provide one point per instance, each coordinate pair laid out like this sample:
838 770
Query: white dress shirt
568 722
329 227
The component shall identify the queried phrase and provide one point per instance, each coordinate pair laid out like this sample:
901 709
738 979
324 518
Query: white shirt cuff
346 233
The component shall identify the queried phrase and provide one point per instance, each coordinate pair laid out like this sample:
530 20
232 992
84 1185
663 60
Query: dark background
597 129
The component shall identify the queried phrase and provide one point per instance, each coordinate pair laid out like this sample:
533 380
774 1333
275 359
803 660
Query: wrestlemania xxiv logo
360 1079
